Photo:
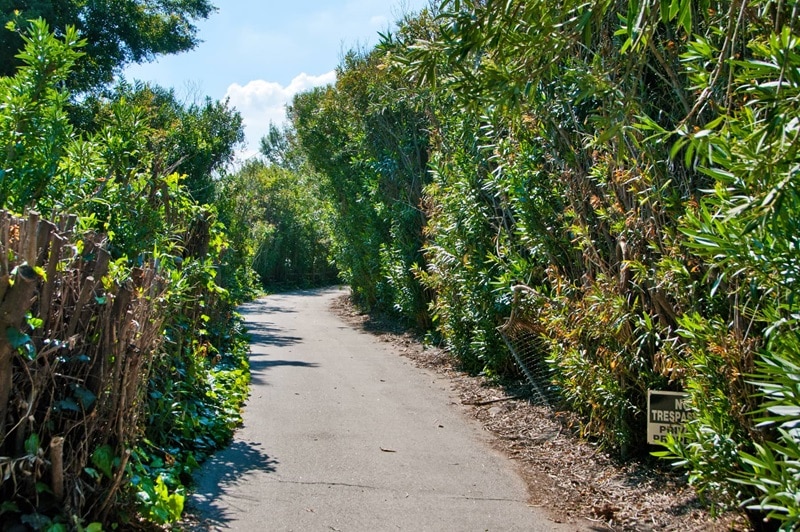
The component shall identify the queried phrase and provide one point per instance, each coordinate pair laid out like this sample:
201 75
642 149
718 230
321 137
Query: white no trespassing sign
666 414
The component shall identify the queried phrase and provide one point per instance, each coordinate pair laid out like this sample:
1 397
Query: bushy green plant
466 240
35 133
746 230
194 405
112 172
772 468
571 198
366 136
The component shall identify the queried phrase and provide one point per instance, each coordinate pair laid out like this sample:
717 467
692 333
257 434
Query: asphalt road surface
342 433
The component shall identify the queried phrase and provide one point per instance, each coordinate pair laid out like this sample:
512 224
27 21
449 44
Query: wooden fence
76 345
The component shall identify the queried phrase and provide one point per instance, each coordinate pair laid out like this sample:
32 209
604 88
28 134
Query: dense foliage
196 140
279 214
110 161
117 32
634 164
367 135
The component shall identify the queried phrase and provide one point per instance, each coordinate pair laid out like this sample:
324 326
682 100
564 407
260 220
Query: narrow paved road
342 433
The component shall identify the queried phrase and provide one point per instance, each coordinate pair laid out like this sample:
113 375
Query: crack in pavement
321 483
490 499
392 490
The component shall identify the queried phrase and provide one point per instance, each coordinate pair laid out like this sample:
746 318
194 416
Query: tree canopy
117 32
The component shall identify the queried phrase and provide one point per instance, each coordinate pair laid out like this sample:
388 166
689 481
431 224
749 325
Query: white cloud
261 102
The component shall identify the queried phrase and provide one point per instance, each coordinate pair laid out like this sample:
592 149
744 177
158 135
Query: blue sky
260 53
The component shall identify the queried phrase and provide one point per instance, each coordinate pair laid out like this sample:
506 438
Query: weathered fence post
15 304
16 294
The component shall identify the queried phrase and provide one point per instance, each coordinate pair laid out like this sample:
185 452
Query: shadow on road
260 364
267 305
221 472
264 339
216 499
265 364
263 334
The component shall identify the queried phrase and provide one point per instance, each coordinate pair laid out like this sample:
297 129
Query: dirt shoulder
567 475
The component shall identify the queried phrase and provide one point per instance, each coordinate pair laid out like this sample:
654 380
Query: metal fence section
524 340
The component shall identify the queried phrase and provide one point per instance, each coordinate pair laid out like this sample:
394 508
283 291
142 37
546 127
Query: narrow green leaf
32 444
103 459
16 338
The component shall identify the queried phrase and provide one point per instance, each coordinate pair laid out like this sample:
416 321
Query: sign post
666 414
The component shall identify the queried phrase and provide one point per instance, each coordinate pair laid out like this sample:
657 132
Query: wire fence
524 339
